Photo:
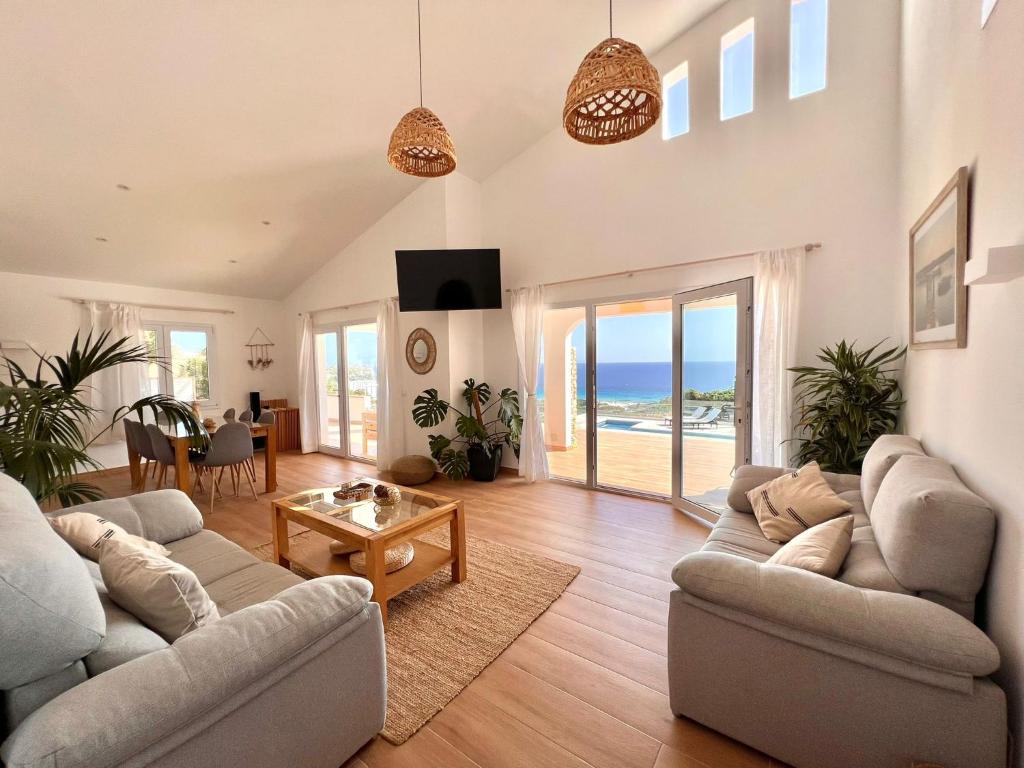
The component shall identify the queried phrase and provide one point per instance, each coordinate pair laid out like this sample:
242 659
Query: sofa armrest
159 516
209 673
904 627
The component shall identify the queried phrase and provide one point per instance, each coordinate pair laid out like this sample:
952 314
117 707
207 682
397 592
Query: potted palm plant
45 425
476 451
845 405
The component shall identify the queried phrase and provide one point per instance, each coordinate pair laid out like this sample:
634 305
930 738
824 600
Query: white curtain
122 384
391 416
777 280
528 329
308 413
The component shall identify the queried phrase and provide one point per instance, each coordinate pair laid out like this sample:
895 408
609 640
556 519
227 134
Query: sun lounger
709 419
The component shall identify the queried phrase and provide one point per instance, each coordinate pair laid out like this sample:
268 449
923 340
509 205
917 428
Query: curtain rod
808 247
346 306
77 300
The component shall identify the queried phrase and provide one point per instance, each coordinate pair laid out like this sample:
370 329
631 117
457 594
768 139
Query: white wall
33 309
962 103
820 168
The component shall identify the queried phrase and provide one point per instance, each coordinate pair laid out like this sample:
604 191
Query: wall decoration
421 351
938 252
259 345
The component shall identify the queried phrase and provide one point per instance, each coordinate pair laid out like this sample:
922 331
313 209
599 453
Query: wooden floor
586 684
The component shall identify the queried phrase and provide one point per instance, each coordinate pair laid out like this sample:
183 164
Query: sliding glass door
712 363
346 386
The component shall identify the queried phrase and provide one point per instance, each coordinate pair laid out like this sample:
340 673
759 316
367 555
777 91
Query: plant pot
481 466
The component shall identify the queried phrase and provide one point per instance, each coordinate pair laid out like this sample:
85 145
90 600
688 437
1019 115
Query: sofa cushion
127 638
737 533
160 516
795 502
880 458
51 612
210 556
749 476
163 594
820 549
865 567
934 533
260 581
88 533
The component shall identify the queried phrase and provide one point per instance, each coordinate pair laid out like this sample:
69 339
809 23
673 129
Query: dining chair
231 448
229 415
245 416
163 454
137 440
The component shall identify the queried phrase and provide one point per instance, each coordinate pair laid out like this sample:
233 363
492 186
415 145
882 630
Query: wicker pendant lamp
616 94
420 144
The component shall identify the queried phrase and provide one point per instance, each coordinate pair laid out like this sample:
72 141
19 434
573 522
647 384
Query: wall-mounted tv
448 280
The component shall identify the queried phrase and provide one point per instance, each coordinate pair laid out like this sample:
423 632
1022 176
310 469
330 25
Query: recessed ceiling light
101 239
124 187
232 261
266 223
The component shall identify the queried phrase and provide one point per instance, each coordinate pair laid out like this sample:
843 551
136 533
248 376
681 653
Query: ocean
650 382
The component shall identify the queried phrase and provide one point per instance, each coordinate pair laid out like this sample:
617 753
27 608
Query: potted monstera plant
481 431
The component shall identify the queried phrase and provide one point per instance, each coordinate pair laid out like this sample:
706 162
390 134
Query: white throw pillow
821 549
162 594
88 533
795 502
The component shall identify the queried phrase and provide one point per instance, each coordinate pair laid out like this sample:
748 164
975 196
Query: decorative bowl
386 496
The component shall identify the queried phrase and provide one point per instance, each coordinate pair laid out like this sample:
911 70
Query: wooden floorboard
586 684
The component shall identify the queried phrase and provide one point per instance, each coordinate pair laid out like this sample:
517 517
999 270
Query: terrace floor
642 461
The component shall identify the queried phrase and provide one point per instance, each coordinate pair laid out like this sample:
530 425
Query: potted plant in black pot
482 433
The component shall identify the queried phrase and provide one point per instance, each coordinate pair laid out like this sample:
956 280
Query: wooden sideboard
287 424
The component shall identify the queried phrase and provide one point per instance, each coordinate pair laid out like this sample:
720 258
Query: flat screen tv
449 280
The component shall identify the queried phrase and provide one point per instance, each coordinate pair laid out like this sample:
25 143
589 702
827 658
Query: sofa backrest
935 534
51 614
880 458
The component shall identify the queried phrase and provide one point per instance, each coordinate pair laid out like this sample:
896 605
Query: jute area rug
441 635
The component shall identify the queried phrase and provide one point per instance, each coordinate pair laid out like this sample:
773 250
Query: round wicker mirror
421 351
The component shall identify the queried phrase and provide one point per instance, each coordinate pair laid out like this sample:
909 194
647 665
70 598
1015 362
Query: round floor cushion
412 470
394 558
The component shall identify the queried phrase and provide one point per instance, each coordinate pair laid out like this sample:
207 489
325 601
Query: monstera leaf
455 464
438 444
508 405
471 429
481 390
428 410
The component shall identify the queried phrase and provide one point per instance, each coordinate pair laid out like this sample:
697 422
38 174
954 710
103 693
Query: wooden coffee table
362 525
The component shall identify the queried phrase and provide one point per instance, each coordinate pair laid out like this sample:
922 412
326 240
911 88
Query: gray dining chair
137 439
163 454
231 448
245 416
229 415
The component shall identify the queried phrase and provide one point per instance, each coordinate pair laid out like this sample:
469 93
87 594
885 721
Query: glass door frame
590 307
344 428
743 405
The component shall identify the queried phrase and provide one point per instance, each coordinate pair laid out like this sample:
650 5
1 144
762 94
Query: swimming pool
655 428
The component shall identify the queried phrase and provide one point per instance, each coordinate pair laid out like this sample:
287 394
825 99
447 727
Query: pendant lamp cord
609 18
419 45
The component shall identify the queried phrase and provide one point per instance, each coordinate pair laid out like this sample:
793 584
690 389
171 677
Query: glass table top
366 514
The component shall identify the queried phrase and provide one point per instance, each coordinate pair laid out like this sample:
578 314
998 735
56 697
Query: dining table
181 443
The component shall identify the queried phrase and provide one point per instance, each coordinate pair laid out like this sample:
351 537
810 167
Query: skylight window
738 71
808 46
675 95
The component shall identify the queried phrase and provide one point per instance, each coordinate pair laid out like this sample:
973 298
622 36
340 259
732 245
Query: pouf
412 470
394 558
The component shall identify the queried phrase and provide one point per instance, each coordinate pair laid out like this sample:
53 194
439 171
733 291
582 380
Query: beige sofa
882 666
292 674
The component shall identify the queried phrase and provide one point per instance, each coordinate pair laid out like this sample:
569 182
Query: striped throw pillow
795 502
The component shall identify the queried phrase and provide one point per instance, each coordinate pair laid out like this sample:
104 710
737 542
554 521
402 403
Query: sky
710 335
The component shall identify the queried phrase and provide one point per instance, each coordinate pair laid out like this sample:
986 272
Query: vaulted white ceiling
222 115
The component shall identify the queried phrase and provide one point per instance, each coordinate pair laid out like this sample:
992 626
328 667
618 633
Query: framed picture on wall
938 252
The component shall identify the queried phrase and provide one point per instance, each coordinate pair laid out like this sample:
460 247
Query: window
808 46
186 351
675 94
738 71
